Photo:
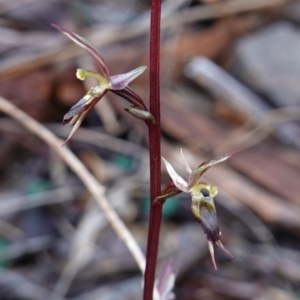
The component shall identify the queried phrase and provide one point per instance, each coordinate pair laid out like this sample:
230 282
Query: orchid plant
118 84
202 194
203 207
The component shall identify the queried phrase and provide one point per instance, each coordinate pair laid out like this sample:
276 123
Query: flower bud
140 114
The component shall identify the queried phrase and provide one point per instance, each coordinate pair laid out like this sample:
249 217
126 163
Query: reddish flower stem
155 151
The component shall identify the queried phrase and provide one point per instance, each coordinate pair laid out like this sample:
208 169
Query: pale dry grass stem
95 188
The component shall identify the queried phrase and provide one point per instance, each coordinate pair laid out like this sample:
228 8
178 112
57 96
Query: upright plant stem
154 149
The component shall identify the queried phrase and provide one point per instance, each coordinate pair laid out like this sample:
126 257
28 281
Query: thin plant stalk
154 151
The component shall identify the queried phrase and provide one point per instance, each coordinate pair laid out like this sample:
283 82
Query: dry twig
97 190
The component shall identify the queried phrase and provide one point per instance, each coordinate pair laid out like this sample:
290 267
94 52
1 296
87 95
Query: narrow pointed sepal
187 167
140 114
83 43
132 97
219 243
196 175
89 100
212 253
78 112
179 182
121 81
166 282
76 121
71 116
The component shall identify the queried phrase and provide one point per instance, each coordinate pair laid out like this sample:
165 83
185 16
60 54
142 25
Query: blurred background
230 74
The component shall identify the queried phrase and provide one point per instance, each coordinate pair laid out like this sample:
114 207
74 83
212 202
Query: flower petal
80 41
72 118
90 99
179 182
197 173
204 211
75 110
187 167
212 254
219 243
131 96
166 282
78 121
119 82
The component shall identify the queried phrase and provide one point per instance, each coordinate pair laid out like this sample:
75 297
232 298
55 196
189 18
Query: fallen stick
95 188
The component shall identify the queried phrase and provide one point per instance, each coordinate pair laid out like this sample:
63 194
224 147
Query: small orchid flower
118 84
202 194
